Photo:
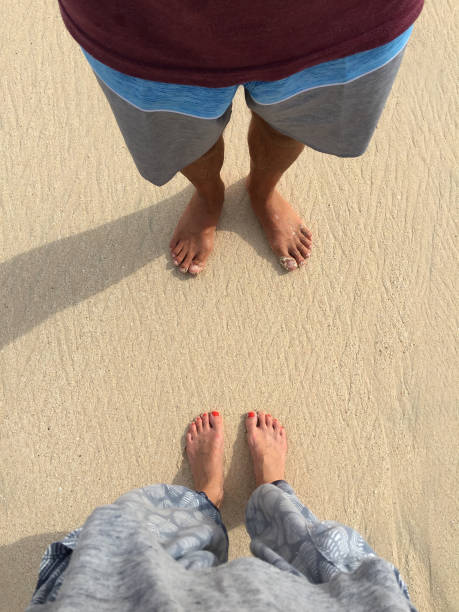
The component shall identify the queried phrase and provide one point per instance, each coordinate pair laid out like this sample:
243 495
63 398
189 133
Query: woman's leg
146 529
144 524
204 448
283 531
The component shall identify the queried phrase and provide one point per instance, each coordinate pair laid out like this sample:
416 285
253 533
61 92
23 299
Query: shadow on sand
19 563
37 284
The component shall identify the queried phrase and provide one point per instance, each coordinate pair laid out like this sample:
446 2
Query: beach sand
108 352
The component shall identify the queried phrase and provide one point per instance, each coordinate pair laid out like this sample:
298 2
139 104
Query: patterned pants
284 533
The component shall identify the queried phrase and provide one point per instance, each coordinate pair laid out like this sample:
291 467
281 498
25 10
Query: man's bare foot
204 448
287 235
194 235
268 444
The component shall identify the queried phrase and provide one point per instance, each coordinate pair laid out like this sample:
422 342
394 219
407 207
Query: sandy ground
107 352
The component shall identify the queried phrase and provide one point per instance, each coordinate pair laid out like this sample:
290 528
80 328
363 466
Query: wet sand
108 352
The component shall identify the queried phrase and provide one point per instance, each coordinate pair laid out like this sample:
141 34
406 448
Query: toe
192 430
173 243
305 241
196 267
304 230
189 439
304 253
198 263
251 422
216 420
194 270
262 420
177 248
269 421
288 263
186 263
293 251
205 421
178 259
198 422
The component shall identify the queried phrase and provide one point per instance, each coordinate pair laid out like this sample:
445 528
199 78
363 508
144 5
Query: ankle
212 193
260 186
214 494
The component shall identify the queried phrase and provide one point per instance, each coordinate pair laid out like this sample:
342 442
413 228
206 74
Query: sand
107 352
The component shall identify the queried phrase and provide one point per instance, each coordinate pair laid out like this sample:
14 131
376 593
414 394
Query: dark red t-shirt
215 43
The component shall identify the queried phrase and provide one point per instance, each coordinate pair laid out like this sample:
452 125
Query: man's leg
194 235
271 153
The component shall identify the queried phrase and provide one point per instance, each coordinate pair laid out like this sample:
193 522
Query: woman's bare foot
287 235
204 448
194 235
268 444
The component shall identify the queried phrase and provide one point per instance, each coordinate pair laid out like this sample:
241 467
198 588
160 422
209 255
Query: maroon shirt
215 43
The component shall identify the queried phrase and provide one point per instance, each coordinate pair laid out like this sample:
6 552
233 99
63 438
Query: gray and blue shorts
332 107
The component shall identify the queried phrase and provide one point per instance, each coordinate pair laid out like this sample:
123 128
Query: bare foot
287 235
194 235
268 444
204 448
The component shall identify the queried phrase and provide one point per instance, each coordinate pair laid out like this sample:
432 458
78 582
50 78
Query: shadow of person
19 563
37 284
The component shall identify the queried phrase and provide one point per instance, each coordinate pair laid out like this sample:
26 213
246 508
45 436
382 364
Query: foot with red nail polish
204 448
267 441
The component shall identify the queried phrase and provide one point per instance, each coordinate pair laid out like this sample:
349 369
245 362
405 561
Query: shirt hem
369 40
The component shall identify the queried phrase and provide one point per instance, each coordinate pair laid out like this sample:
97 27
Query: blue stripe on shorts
212 102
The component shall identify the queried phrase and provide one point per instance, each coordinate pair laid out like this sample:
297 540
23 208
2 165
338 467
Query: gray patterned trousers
189 528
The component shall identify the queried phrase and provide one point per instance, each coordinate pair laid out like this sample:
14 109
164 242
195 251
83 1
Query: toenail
251 414
194 269
288 263
215 413
183 270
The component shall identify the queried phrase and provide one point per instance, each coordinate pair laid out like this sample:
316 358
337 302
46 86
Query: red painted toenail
251 414
268 415
215 413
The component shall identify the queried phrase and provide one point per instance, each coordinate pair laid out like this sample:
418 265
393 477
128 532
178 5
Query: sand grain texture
107 352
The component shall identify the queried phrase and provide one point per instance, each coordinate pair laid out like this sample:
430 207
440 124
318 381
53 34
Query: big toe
288 262
197 265
216 420
251 422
